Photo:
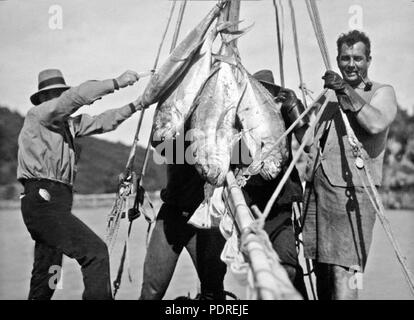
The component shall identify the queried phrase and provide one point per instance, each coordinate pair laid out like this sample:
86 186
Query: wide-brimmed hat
49 79
265 77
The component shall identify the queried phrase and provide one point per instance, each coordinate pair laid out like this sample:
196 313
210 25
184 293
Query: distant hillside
10 125
98 168
101 162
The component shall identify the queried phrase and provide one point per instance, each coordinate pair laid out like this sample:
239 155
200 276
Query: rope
297 210
117 209
164 34
293 125
255 243
133 150
279 45
317 27
112 228
173 44
178 25
115 216
380 210
296 44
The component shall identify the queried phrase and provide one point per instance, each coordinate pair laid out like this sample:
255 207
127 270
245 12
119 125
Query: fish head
270 169
212 165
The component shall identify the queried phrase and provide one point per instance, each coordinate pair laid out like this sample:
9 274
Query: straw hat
265 77
49 79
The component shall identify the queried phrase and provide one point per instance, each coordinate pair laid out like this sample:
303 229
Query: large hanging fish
213 124
179 59
172 113
262 124
178 103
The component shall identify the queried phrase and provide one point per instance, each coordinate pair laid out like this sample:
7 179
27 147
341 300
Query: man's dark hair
353 37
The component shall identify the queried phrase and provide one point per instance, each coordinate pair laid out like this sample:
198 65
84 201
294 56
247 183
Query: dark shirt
185 187
258 190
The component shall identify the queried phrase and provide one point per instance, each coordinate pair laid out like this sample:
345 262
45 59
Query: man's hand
291 109
288 98
138 104
348 99
128 78
334 81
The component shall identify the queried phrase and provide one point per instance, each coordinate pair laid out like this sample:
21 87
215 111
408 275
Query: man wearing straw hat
339 216
47 169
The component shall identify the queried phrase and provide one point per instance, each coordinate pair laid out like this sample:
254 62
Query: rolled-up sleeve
109 120
57 110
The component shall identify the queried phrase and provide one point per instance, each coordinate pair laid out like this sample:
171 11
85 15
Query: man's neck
355 84
360 83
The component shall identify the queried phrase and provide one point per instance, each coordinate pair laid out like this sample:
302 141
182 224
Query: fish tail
230 36
270 170
254 168
225 26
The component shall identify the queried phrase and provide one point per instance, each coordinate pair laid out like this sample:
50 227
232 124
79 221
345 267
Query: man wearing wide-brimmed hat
47 169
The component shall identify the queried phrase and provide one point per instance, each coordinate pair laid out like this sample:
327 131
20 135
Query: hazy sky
100 39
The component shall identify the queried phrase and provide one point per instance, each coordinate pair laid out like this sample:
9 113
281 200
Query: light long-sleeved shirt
46 146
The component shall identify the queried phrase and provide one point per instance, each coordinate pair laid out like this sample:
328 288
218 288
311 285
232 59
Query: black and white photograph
215 150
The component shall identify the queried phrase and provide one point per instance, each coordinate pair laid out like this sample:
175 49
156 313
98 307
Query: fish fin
227 59
191 53
213 71
224 26
266 174
230 36
240 134
223 115
238 122
198 96
254 168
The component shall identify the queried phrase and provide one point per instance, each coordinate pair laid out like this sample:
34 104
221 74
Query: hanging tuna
262 124
213 123
177 105
179 59
172 113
